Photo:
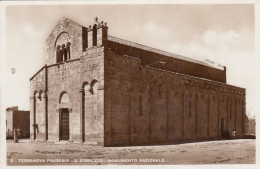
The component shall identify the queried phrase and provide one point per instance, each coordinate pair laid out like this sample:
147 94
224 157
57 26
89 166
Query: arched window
94 35
63 47
40 95
86 88
64 98
36 94
94 87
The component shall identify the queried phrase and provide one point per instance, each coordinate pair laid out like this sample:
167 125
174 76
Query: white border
4 4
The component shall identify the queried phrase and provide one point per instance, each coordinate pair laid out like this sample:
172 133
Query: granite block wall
37 105
80 79
147 105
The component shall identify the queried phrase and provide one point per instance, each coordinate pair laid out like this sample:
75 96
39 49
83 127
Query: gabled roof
158 51
62 23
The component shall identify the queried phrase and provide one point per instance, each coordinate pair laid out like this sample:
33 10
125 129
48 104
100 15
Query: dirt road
240 151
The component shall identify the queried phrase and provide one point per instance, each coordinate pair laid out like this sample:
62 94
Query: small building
103 89
17 119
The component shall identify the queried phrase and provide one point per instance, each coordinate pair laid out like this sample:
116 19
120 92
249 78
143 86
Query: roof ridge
159 51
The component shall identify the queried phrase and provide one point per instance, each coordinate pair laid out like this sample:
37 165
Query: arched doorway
64 127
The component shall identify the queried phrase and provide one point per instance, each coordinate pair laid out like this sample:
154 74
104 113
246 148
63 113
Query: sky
220 33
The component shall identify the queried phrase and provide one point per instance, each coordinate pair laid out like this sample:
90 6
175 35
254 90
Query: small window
189 108
140 106
230 111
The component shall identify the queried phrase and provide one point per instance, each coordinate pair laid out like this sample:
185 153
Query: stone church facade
96 88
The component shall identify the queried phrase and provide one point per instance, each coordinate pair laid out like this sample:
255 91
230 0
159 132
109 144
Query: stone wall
64 78
78 77
37 105
81 79
76 34
147 105
92 81
9 123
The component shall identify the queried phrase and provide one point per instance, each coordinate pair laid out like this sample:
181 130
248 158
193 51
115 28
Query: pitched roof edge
144 47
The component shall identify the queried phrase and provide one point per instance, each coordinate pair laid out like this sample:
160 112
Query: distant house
17 119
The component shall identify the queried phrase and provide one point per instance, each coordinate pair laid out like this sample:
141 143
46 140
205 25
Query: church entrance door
64 124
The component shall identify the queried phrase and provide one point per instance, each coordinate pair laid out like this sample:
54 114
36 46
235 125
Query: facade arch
62 37
85 84
64 97
63 47
86 87
94 87
35 93
40 95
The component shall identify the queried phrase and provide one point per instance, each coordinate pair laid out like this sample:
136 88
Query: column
59 123
167 115
70 128
208 113
218 116
90 43
196 130
44 97
32 117
82 115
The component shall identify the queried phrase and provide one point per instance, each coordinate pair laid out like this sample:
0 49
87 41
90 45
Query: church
100 89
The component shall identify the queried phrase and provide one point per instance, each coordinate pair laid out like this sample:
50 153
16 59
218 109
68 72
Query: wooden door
64 124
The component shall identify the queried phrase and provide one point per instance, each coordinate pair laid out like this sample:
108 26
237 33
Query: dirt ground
241 151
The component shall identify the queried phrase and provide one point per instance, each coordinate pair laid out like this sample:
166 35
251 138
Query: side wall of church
145 105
